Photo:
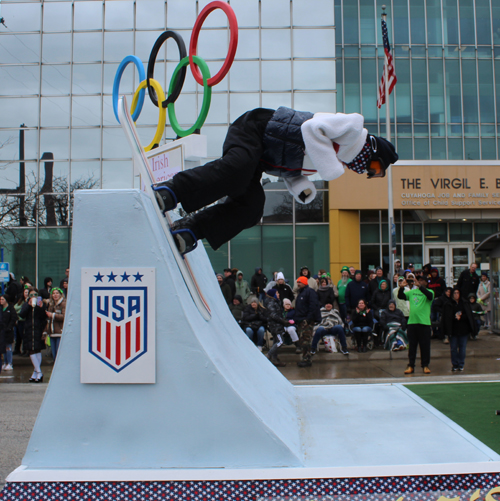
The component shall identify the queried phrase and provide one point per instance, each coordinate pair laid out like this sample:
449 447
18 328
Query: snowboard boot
165 196
304 363
276 361
186 234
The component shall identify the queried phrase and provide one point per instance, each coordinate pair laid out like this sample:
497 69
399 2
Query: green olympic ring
207 97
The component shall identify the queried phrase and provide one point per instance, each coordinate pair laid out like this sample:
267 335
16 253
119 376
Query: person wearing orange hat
307 313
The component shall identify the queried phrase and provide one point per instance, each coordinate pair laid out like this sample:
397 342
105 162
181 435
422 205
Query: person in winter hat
285 143
241 286
311 282
397 267
341 287
237 307
283 288
401 304
390 318
35 319
326 293
307 313
229 280
362 325
458 325
411 281
331 325
468 281
436 283
374 283
258 283
254 321
380 299
14 290
47 287
483 297
224 288
56 311
275 324
477 313
291 330
419 323
438 306
8 320
356 290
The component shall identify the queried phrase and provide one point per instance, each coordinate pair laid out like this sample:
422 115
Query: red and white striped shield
118 325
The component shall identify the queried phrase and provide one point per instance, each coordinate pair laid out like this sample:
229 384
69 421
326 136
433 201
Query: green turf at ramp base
470 405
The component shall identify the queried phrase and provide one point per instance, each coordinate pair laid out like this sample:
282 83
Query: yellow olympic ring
163 112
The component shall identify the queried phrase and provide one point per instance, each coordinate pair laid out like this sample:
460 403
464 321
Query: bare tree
27 205
50 209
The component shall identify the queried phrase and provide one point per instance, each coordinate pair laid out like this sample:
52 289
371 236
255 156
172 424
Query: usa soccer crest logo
117 324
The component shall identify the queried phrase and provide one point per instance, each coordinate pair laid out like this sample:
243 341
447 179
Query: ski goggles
378 165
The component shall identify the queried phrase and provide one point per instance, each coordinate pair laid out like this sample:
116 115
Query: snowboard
142 163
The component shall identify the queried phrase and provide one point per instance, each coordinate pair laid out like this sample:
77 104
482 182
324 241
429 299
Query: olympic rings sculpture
199 69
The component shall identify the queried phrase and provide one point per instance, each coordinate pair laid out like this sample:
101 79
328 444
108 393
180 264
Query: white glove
301 188
324 129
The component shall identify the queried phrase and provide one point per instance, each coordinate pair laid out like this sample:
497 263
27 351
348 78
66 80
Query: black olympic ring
151 67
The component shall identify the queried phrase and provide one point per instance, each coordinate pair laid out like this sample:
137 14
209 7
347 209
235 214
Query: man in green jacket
341 286
419 323
241 286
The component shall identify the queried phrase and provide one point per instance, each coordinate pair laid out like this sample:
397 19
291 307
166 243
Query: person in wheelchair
393 327
379 303
362 325
331 325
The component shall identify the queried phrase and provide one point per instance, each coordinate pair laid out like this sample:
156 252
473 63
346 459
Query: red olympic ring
233 41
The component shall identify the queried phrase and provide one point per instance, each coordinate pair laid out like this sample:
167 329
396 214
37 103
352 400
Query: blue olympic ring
116 85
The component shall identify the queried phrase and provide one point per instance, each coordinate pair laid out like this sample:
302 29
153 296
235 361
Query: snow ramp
217 401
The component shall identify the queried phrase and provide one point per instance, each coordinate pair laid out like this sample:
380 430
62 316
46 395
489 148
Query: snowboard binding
165 196
183 231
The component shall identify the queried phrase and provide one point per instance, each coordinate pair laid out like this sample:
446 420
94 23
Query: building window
461 232
484 230
436 232
66 56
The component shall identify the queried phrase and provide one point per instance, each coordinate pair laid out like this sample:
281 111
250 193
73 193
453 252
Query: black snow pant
235 175
419 335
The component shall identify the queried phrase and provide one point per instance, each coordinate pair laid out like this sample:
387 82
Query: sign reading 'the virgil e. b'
118 325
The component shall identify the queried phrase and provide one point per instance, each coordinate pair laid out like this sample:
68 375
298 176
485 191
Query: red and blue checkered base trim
362 489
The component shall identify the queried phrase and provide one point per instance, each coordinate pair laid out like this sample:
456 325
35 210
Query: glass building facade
446 103
58 133
444 107
414 237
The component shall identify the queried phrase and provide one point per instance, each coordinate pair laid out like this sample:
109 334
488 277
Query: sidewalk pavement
373 366
379 365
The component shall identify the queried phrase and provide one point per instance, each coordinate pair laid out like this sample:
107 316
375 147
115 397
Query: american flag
391 74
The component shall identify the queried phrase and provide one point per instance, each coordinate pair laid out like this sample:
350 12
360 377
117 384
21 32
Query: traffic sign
4 272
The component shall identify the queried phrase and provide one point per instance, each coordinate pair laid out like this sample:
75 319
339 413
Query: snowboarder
284 142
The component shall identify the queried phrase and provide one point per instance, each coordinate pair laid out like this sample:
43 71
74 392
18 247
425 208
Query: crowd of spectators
31 321
372 311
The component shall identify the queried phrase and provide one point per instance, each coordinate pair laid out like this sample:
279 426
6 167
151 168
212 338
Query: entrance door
449 259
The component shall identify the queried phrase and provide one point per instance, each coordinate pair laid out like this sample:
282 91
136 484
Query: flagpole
390 207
